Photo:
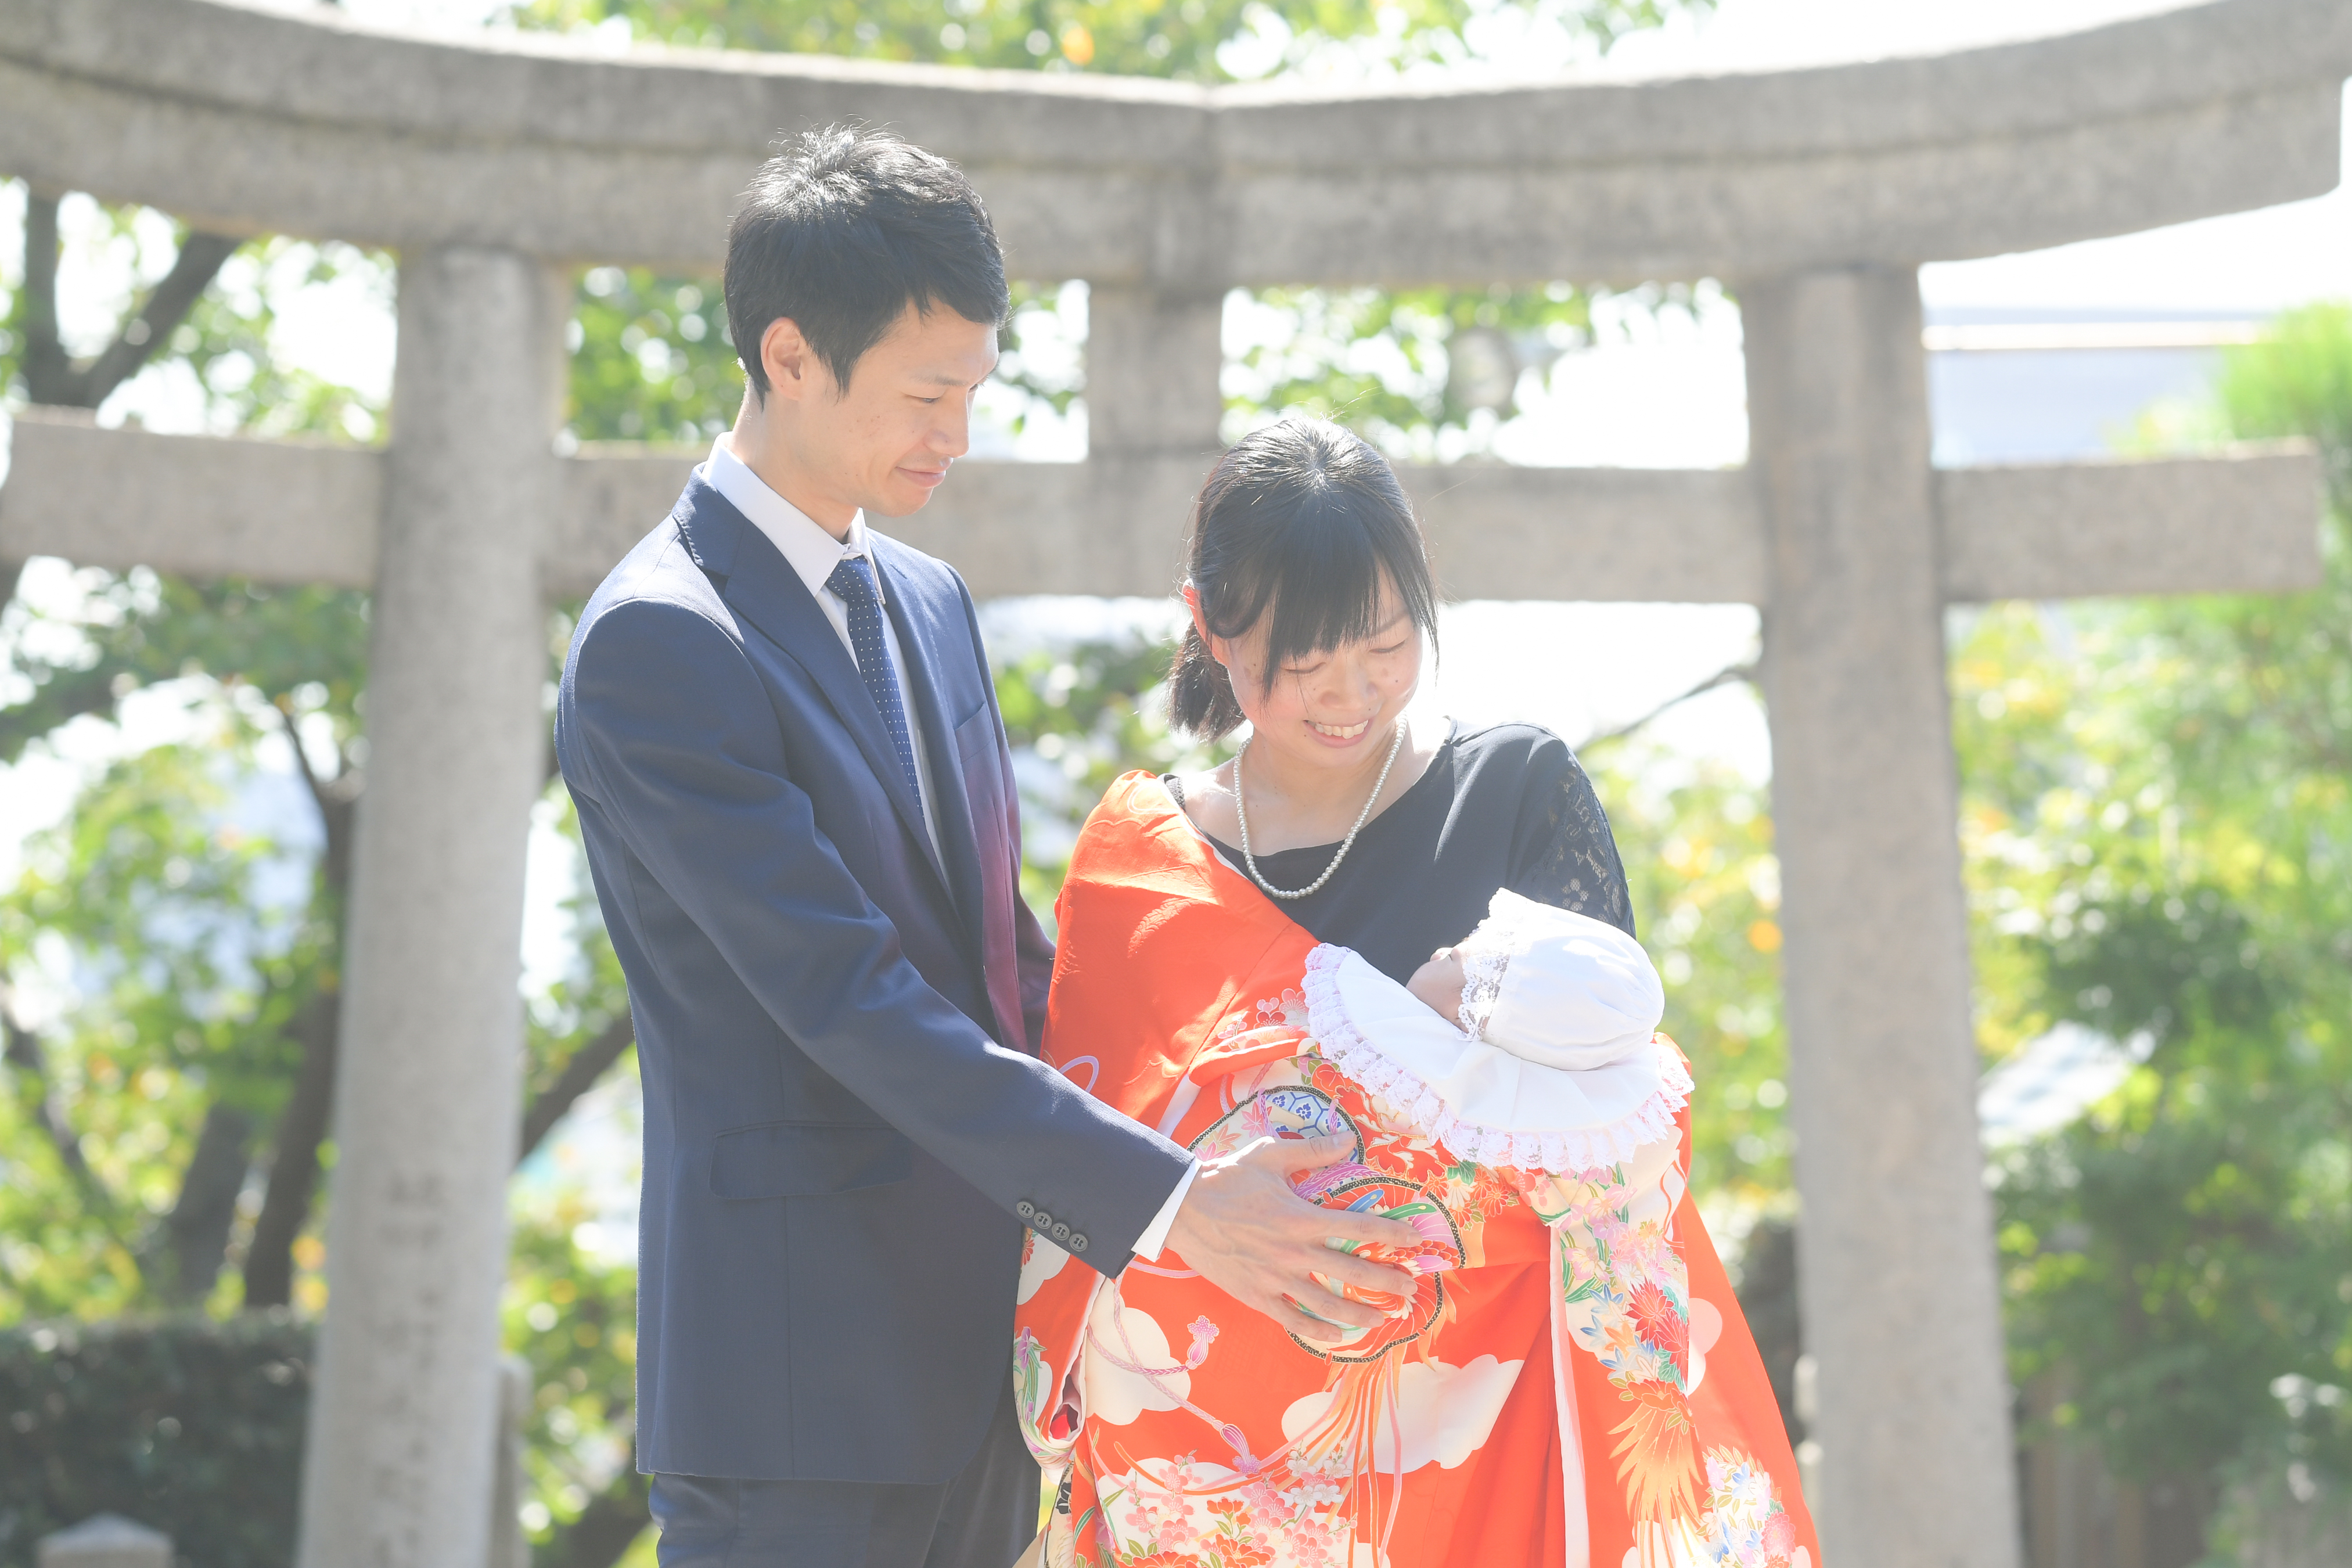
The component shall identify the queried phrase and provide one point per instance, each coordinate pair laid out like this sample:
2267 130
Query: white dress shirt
813 553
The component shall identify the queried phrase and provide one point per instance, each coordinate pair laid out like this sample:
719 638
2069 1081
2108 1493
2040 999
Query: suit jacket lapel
919 640
765 589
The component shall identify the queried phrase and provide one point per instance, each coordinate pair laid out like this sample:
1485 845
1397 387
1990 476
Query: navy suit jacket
836 1028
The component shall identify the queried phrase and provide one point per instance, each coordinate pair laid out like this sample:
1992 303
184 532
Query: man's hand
1247 1232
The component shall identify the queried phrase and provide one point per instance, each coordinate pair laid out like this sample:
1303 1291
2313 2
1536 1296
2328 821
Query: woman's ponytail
1201 700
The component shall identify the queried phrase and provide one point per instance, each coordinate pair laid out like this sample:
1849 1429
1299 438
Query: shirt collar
806 547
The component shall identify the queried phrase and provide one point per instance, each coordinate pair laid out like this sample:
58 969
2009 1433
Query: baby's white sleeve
1484 965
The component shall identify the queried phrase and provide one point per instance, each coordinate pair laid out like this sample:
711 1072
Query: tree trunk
579 1076
50 375
2179 1510
1768 1298
23 1051
184 1257
304 1125
294 1168
605 1528
43 361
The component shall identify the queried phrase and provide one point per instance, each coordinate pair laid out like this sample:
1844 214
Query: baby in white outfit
1533 1042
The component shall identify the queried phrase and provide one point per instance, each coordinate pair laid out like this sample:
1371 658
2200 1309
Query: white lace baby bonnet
1554 1064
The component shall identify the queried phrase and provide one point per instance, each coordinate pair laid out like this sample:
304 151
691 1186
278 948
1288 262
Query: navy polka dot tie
853 582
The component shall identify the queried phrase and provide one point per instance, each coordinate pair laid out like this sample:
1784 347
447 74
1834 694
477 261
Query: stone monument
104 1541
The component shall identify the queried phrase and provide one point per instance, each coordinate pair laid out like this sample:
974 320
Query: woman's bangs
1302 536
1328 584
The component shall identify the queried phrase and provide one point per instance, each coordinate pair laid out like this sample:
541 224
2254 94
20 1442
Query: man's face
884 443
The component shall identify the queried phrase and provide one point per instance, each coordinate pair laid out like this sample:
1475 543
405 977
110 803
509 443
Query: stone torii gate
496 164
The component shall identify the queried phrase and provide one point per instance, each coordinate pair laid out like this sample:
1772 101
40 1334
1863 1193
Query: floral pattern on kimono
1568 1381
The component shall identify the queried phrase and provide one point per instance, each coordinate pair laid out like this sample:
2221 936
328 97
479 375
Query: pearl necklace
1241 810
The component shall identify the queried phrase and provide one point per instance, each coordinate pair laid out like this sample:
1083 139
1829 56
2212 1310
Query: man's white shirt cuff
1155 1235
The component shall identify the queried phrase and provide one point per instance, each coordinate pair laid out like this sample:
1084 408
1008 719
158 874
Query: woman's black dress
1504 807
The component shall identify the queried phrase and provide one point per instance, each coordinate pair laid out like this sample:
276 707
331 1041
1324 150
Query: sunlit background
159 852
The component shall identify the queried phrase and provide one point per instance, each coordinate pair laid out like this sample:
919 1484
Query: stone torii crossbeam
496 164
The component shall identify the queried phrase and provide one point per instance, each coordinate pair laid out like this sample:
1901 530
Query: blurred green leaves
2296 382
307 646
651 360
1426 374
570 1312
1697 848
188 947
1079 715
2158 815
1406 370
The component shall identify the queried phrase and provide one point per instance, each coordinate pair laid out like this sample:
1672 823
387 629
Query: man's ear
792 368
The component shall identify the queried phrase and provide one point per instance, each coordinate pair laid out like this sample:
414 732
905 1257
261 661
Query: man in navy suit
797 799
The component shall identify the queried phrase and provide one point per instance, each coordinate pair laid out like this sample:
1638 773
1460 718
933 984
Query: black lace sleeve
1563 853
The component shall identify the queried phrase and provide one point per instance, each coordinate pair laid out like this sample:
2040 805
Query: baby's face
1438 983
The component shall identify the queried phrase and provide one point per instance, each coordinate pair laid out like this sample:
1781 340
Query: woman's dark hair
842 234
1299 527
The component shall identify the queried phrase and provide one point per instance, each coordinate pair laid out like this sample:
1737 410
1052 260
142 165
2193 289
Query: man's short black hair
846 230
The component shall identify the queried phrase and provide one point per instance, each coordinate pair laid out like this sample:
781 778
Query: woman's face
1331 706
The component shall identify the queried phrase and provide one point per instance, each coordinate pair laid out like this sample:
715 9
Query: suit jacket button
1025 1209
1077 1242
1043 1221
1061 1230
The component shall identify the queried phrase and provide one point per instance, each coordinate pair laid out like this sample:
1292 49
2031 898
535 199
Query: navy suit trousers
985 1518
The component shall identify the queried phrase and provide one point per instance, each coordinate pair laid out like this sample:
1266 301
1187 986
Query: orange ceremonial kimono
1571 1383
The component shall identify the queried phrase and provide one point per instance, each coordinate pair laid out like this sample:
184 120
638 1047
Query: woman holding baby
1382 925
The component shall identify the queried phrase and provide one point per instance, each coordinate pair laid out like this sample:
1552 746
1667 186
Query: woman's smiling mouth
1341 731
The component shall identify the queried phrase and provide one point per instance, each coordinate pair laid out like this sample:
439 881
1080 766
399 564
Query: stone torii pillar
1896 1278
428 1083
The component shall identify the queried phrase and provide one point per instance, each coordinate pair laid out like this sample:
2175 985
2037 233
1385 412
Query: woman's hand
1439 983
1245 1231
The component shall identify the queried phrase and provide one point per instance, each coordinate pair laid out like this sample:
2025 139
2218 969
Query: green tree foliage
2298 383
651 359
1424 373
2158 820
184 992
226 341
1078 717
190 300
570 1315
193 983
305 646
1698 848
172 267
